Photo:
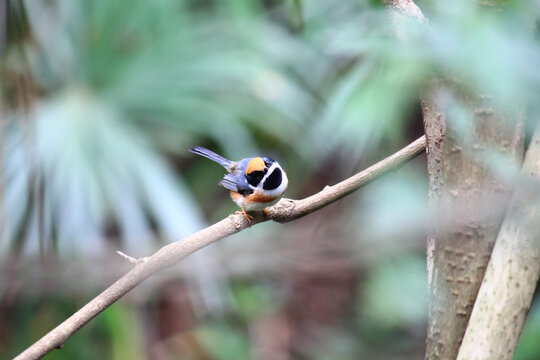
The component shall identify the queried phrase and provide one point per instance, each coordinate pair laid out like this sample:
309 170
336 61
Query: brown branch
284 211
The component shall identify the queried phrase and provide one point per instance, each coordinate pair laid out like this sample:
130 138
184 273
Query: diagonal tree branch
284 211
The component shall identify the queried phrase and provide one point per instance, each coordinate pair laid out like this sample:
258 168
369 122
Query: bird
255 183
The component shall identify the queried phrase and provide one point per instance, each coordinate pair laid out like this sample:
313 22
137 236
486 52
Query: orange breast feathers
256 164
252 201
258 197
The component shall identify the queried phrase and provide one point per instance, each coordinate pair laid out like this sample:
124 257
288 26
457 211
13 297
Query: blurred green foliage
403 279
115 89
224 342
102 99
252 300
528 348
117 332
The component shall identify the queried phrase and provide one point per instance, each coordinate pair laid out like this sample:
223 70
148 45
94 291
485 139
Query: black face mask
255 177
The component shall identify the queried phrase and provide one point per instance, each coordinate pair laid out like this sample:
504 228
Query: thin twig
284 211
127 257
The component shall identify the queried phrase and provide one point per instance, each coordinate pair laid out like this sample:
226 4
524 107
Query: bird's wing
228 184
236 182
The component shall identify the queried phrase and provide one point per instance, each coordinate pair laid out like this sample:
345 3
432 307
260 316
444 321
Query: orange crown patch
256 164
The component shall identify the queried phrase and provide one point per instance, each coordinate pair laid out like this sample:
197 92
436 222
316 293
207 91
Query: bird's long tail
199 150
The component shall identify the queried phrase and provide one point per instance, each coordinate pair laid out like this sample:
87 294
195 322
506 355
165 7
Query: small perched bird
255 183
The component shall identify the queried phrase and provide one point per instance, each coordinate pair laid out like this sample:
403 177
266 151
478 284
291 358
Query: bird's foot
246 215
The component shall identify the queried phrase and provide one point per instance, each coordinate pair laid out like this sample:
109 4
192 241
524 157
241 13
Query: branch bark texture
284 211
512 274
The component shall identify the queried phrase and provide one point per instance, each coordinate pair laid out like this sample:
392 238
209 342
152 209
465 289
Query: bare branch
284 211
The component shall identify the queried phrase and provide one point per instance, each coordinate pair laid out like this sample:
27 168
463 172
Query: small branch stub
127 257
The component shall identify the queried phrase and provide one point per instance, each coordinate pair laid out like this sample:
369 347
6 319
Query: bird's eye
255 177
268 162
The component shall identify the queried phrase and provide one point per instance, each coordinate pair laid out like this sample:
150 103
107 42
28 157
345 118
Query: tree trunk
467 201
512 274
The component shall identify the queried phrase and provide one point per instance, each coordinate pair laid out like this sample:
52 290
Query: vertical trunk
467 201
434 128
512 274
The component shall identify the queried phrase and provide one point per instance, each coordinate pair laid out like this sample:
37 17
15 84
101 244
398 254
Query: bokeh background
101 100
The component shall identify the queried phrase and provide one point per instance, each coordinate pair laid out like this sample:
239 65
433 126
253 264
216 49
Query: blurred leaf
124 331
396 293
224 342
394 209
527 348
95 165
31 318
252 300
